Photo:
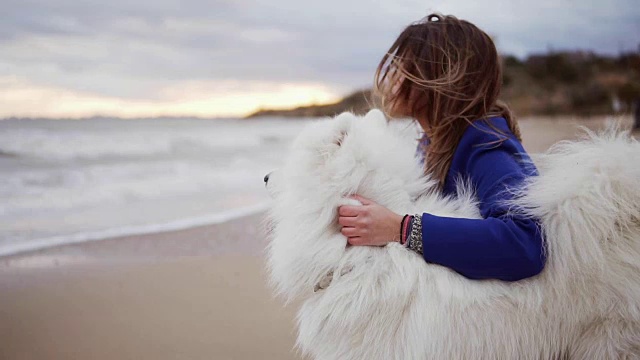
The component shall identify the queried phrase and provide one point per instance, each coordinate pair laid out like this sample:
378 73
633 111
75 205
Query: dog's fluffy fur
388 303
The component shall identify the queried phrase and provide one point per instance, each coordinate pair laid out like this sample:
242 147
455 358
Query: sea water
64 181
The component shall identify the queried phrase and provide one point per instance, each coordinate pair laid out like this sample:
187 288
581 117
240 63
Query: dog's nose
266 178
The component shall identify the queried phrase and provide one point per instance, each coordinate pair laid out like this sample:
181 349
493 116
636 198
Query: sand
199 293
128 299
198 308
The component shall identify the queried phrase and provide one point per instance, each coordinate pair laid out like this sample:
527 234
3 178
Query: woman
446 74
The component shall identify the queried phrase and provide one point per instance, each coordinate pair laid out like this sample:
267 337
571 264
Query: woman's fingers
349 231
349 210
350 221
354 221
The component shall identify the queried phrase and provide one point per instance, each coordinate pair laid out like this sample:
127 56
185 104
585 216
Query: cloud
133 50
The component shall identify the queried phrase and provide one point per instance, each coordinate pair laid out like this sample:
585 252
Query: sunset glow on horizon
189 99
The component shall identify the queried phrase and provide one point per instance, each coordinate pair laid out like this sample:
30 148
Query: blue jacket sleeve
499 246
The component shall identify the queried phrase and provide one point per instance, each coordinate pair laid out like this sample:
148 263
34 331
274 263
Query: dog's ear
340 127
376 116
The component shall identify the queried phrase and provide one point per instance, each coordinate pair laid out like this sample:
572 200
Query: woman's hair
445 73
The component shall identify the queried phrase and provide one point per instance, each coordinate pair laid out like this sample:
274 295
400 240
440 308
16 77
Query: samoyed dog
361 302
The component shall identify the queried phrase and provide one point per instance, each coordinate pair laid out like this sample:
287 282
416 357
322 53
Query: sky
227 58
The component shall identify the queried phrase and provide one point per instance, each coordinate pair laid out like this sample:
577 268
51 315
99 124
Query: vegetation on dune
557 83
580 83
358 102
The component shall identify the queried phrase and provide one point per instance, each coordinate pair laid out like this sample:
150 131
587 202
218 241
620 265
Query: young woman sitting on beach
446 74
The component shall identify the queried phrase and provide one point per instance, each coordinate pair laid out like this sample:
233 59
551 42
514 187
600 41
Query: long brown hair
446 74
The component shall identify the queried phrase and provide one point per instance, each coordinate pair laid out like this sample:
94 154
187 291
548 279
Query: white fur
388 303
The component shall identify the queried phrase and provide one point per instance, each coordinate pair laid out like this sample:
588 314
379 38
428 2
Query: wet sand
198 293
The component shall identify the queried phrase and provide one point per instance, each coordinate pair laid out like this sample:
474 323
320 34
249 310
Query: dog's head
346 155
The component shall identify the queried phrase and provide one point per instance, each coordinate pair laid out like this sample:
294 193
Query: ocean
67 181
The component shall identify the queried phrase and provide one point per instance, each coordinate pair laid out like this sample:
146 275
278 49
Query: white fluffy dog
388 303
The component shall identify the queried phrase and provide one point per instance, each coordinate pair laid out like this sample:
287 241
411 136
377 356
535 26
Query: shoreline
227 238
43 244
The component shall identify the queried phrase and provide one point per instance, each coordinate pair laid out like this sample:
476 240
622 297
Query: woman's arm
495 248
501 245
504 248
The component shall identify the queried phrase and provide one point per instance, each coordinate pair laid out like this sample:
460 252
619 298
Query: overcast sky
229 57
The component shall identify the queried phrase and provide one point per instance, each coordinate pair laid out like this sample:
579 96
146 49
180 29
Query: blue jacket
498 246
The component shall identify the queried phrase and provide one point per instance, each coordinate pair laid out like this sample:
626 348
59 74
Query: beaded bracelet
405 229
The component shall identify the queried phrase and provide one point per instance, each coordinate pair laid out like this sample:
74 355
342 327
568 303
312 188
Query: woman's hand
369 224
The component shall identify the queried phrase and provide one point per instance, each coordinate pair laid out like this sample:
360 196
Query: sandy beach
192 294
199 293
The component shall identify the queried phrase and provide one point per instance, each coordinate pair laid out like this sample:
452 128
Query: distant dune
358 102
